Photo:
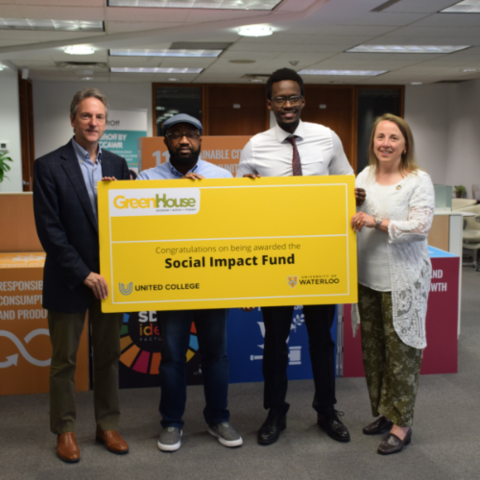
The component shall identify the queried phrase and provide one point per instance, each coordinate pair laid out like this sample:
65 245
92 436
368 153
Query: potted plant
4 166
460 191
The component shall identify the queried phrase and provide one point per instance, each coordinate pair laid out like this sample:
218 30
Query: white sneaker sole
170 448
226 443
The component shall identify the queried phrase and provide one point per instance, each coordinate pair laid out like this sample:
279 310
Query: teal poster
124 128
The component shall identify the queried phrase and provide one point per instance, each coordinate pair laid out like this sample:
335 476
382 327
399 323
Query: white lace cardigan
410 266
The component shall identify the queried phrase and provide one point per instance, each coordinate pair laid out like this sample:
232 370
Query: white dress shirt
269 154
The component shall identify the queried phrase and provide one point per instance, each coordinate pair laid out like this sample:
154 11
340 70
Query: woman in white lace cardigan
394 272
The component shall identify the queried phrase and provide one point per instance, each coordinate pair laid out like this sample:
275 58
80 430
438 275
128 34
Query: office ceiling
308 34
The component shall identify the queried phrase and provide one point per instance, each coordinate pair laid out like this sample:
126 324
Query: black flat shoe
392 444
380 425
271 428
331 424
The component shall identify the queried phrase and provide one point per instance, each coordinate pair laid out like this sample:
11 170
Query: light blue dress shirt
92 172
166 171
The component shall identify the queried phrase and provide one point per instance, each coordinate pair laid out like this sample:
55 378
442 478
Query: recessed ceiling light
60 25
407 48
470 70
86 78
416 83
257 80
137 52
154 70
467 6
212 4
173 79
79 50
255 31
359 73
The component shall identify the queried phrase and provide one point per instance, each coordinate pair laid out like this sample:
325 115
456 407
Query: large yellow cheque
220 243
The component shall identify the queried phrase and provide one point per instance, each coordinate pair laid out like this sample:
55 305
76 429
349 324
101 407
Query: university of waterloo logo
292 281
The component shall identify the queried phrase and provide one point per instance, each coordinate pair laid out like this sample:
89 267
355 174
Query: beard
183 160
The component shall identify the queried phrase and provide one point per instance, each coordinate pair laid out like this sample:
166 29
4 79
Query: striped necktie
296 165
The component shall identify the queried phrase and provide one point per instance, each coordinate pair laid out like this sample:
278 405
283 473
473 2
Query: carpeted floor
445 444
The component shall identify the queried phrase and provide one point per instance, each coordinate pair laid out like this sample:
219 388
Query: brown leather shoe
67 447
380 425
112 440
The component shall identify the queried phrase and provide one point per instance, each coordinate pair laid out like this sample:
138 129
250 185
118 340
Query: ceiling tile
295 5
419 6
450 20
205 15
386 19
11 11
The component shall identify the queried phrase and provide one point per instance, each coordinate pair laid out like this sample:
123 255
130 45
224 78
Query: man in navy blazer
65 204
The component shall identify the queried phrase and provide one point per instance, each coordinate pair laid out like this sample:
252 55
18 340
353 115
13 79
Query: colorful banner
222 243
222 151
124 128
24 337
141 344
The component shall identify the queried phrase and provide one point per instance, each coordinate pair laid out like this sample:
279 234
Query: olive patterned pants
392 368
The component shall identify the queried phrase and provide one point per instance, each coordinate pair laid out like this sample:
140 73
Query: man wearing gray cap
182 138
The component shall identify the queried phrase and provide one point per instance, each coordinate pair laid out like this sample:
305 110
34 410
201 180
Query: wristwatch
378 221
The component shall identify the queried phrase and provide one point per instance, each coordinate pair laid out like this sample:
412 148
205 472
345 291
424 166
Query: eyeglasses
294 100
179 135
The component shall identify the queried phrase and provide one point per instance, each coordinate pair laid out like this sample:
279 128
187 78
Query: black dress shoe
271 428
392 444
331 424
380 425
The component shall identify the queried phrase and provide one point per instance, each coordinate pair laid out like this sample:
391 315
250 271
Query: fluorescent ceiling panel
467 6
59 25
137 52
407 48
212 4
359 73
154 70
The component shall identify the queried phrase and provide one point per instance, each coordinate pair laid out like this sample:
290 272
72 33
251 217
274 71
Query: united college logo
126 290
292 281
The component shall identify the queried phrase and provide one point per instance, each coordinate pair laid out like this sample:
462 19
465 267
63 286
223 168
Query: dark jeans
212 340
318 320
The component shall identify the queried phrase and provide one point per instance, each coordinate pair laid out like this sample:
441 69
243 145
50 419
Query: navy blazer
67 227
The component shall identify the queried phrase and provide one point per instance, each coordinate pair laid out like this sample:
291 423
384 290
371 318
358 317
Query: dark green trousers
392 369
65 331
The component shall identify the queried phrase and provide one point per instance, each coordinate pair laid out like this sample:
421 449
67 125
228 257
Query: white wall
51 107
10 129
445 120
427 113
463 166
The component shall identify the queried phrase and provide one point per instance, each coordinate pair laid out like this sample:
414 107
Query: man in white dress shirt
293 147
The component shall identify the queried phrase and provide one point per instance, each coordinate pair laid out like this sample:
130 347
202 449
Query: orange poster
221 150
25 348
